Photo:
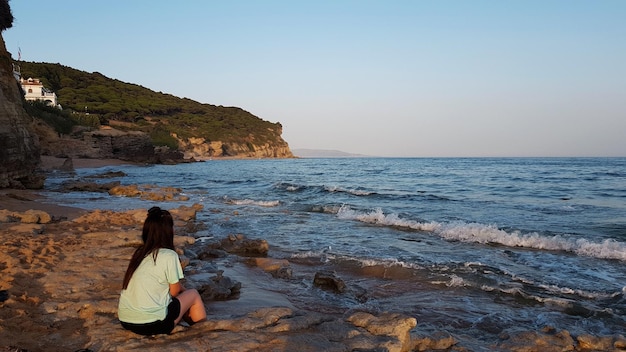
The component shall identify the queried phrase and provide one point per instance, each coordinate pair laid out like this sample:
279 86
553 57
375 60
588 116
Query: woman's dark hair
158 232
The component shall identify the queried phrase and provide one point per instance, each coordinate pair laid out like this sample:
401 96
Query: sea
477 248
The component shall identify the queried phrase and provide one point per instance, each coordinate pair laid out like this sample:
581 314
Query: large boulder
393 325
330 281
219 287
239 244
278 268
30 216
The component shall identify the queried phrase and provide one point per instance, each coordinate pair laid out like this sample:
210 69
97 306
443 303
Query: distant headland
325 153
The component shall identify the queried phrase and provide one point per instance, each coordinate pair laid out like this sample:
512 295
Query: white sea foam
483 233
325 254
487 288
307 254
577 292
261 203
390 262
356 192
456 281
377 217
515 291
327 209
204 238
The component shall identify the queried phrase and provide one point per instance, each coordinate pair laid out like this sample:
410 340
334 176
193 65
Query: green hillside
140 108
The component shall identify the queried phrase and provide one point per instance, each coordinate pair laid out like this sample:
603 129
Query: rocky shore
61 279
61 272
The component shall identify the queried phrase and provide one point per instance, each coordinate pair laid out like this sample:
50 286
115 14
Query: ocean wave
322 255
568 304
355 192
260 203
456 281
326 209
388 265
289 187
522 286
578 292
308 254
491 234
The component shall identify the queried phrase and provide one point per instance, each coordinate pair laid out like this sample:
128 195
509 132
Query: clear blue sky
384 78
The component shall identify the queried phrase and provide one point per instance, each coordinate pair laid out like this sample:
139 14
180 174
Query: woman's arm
176 289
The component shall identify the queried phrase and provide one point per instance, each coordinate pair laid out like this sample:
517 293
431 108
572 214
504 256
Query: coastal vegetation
61 120
92 98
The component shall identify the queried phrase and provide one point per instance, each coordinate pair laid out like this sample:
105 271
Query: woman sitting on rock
153 300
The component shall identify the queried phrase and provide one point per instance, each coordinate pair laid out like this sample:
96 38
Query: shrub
60 120
162 137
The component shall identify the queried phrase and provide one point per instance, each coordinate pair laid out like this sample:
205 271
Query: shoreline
60 282
63 279
49 163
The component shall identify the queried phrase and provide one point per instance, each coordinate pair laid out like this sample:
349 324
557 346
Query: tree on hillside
6 17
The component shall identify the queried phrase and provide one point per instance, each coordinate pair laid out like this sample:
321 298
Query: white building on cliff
34 90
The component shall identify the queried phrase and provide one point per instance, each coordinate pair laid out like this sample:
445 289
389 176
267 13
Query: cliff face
200 149
105 143
19 145
109 143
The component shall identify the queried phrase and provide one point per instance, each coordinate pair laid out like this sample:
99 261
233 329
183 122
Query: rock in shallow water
328 280
278 268
219 288
239 244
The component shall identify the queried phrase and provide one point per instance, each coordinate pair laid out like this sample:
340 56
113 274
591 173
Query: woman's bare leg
191 306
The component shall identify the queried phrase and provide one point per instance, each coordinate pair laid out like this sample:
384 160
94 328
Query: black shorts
164 326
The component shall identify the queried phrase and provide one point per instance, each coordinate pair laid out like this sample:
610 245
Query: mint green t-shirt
147 296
